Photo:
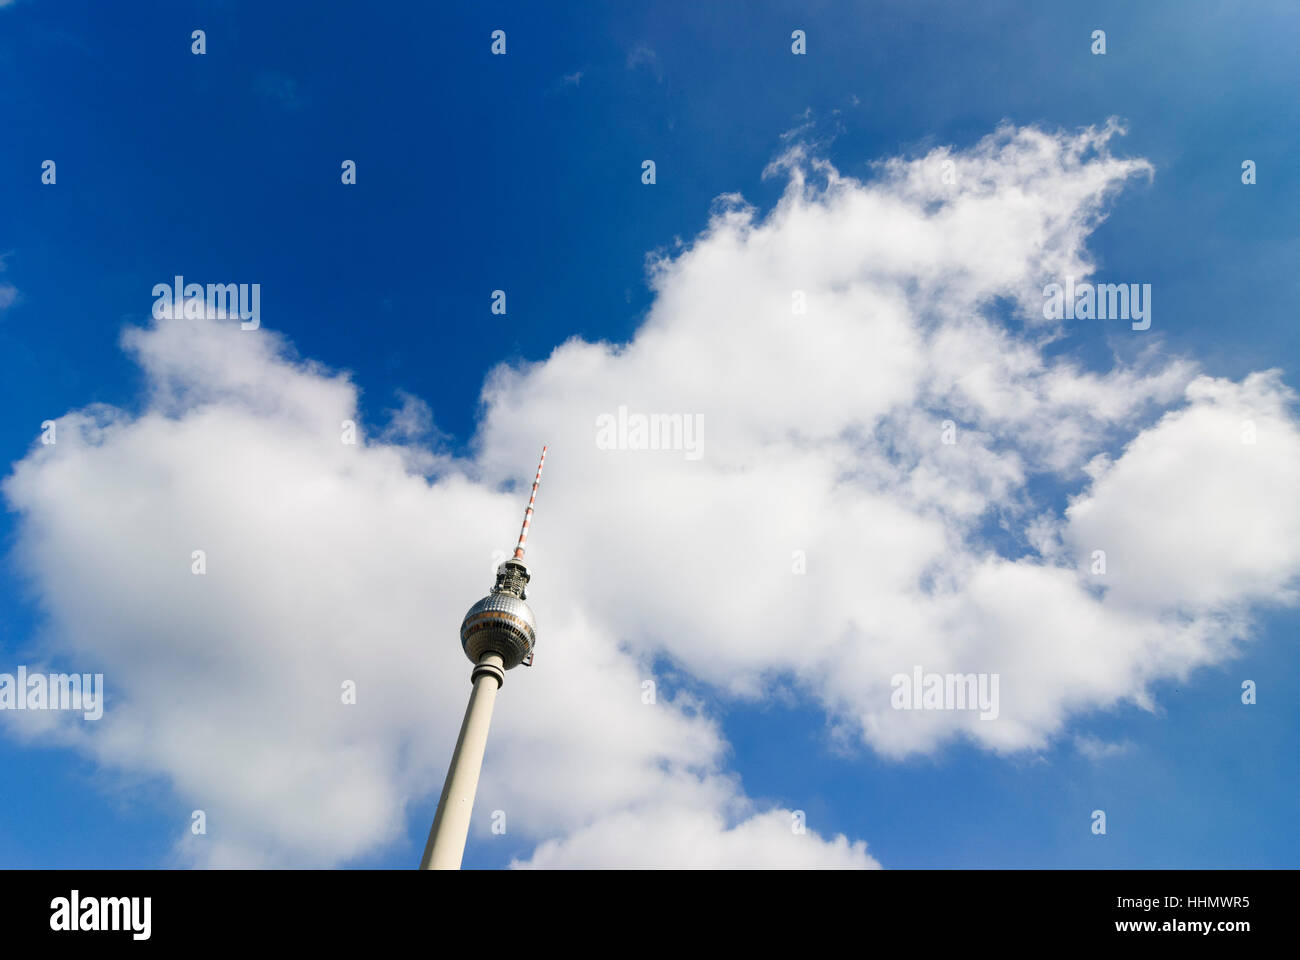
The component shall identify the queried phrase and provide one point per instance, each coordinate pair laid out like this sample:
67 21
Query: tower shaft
446 845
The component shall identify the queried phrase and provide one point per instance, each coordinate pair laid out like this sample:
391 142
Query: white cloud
692 837
330 562
1096 749
1199 512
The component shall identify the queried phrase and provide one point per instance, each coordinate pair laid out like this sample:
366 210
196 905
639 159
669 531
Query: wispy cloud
643 56
281 88
1096 749
8 292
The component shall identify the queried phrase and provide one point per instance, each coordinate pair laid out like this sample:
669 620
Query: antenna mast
528 514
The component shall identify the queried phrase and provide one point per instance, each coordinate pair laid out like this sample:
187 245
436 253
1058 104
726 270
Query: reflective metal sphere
502 624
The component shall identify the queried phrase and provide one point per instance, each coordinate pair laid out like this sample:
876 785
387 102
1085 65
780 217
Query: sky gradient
523 173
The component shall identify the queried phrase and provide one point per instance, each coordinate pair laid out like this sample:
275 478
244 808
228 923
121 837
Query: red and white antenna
528 514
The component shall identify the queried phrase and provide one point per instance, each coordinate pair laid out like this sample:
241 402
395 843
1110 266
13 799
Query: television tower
498 633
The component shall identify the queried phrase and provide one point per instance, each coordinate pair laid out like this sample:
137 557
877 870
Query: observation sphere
502 624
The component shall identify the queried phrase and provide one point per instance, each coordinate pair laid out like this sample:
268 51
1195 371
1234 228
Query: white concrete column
446 845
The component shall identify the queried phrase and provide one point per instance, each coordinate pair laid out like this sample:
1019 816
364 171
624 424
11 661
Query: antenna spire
528 514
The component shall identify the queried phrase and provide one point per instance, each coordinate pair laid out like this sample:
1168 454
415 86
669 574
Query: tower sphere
500 623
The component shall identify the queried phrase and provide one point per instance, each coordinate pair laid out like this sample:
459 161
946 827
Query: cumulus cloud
695 837
892 477
325 563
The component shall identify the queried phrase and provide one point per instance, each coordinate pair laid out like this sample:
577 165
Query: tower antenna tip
528 514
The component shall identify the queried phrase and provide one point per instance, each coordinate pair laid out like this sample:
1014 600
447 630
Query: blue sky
478 172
